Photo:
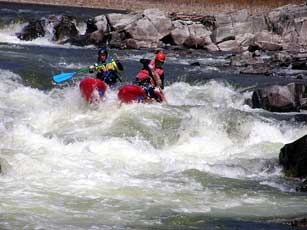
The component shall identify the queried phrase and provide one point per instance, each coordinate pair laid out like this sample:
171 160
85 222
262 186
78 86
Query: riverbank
179 6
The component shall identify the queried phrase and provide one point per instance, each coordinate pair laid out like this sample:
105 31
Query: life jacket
108 65
145 76
108 71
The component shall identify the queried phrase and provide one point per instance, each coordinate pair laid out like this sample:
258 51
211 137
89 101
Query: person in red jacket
152 75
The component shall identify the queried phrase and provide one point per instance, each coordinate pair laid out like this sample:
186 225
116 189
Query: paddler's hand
151 67
91 68
157 88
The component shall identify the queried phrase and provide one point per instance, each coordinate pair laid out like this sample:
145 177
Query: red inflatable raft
134 93
92 89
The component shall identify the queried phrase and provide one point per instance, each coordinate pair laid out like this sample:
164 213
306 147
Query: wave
202 152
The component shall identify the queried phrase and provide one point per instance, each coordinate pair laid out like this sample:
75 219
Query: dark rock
32 31
195 64
97 38
253 48
293 157
168 39
302 187
65 28
299 63
91 26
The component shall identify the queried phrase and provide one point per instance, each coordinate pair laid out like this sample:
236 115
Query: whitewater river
202 160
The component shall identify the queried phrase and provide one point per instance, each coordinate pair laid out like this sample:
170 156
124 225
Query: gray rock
120 21
102 23
268 41
230 46
275 99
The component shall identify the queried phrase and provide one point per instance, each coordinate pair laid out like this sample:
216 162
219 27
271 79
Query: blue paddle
65 76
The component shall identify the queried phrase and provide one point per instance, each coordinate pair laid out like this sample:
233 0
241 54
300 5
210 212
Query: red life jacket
144 73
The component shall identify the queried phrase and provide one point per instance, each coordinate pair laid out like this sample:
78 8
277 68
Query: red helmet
160 56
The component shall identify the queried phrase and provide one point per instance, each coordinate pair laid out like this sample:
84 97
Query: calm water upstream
203 160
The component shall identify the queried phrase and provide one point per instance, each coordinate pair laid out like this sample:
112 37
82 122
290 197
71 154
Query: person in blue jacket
107 69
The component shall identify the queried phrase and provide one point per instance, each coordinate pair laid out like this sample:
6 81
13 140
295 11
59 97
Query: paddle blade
63 77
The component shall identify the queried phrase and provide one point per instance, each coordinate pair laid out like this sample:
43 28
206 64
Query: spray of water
68 163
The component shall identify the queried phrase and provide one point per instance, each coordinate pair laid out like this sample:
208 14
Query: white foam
139 156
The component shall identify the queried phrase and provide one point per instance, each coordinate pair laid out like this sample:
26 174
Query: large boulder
230 46
101 23
192 35
160 21
276 98
293 157
268 41
289 98
64 27
245 40
118 22
152 26
32 30
229 25
142 30
286 18
259 23
181 32
224 29
290 22
282 28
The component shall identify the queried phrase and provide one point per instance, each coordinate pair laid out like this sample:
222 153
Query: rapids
202 160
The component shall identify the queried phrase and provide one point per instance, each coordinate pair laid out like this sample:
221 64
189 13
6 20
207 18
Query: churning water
204 159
